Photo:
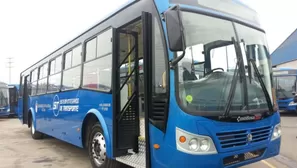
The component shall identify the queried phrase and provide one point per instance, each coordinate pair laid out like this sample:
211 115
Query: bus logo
249 137
56 105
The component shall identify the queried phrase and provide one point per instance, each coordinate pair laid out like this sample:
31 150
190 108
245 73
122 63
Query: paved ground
18 150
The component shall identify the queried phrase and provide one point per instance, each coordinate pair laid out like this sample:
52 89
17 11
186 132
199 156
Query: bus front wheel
97 149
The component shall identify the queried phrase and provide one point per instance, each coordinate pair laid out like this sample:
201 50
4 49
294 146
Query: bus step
136 160
142 127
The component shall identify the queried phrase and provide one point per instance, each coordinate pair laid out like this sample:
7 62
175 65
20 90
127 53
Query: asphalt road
19 150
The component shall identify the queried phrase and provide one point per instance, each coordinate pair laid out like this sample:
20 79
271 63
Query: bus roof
120 8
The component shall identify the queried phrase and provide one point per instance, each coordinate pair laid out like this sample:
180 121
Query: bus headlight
277 132
194 144
205 145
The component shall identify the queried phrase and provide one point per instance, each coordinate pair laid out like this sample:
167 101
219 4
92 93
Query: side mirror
174 29
293 93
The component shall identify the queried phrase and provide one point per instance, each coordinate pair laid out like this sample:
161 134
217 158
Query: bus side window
159 61
98 62
72 69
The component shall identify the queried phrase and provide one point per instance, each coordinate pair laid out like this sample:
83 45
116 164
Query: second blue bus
285 80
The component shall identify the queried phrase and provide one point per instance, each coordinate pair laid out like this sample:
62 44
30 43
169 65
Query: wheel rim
99 148
32 127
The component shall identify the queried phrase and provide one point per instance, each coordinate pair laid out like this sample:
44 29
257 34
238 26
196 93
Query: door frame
26 99
116 86
147 26
147 35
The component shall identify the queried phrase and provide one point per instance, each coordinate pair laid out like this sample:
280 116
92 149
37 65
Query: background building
285 56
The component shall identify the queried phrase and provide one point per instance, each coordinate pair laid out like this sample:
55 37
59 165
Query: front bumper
224 160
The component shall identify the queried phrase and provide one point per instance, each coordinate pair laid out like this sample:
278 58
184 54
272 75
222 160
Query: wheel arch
31 116
89 120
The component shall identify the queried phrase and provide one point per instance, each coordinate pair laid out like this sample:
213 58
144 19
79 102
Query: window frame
33 80
95 36
72 67
55 73
40 79
71 50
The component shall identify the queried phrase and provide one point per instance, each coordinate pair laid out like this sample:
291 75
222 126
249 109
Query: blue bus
285 80
4 100
93 93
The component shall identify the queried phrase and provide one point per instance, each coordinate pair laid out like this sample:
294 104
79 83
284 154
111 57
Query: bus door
26 93
133 49
125 91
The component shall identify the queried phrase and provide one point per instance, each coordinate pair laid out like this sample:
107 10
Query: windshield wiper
267 97
234 80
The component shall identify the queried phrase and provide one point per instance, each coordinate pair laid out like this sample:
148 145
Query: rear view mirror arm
174 61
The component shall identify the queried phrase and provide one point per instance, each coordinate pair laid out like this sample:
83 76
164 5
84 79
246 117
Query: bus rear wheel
35 134
97 149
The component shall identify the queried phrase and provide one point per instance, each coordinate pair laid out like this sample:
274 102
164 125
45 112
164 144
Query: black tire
100 162
35 134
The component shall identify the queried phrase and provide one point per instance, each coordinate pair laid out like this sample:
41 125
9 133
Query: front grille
261 134
232 139
243 137
234 159
283 104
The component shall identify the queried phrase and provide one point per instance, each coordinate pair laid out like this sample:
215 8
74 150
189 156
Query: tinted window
58 64
71 78
159 67
76 56
97 74
34 75
40 72
54 83
42 86
52 69
91 49
34 88
104 43
68 60
43 71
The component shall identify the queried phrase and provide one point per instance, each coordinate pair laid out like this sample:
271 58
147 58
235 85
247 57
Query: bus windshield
285 86
206 72
4 96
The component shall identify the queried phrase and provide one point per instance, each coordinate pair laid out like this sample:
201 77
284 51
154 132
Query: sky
31 29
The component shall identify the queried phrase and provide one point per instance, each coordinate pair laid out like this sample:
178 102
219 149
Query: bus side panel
61 114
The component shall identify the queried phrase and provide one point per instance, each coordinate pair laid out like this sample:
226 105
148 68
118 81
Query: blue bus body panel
61 115
168 155
4 111
206 127
284 105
